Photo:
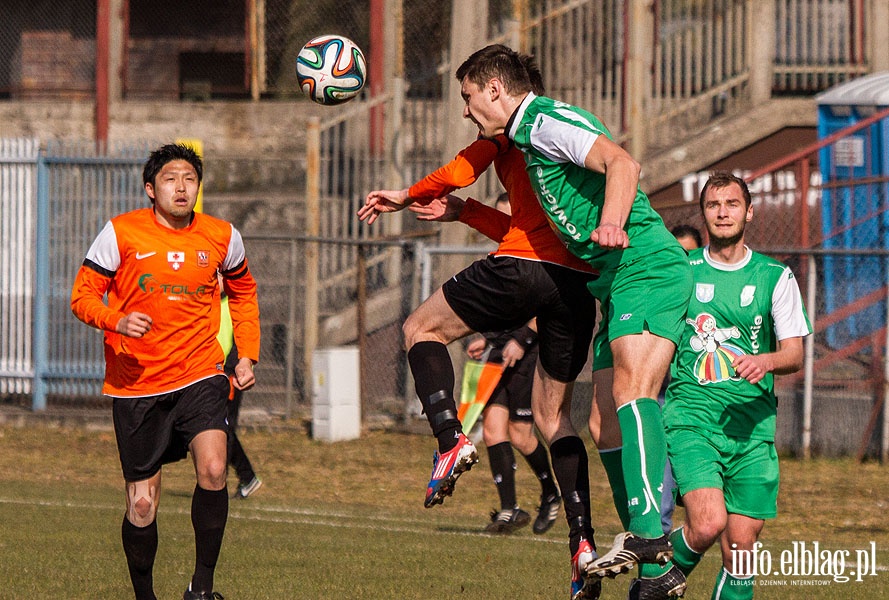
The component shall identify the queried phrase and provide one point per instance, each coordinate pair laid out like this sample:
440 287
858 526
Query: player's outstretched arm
621 182
383 201
444 210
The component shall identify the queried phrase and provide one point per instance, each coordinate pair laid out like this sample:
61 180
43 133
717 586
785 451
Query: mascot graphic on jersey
714 363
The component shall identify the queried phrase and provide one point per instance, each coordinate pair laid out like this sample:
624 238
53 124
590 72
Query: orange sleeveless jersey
170 275
527 234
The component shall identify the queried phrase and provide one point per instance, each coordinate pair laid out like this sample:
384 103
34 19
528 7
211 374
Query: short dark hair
498 62
685 230
534 74
168 153
722 179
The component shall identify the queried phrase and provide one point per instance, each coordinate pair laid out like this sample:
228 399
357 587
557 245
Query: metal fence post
884 454
290 361
809 364
420 258
313 229
42 295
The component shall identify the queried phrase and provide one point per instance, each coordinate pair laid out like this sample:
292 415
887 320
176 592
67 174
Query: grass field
346 520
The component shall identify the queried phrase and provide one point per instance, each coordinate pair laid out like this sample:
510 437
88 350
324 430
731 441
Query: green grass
346 520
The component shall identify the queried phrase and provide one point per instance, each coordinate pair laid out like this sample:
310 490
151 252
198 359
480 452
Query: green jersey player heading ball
589 188
745 324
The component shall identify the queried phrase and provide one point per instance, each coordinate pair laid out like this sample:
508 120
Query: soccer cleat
447 467
547 513
669 585
628 551
507 521
190 595
583 587
245 489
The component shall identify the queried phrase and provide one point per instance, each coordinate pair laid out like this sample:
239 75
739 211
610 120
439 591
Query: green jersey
742 308
555 138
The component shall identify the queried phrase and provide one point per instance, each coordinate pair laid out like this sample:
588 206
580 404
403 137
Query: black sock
140 548
571 467
503 469
538 460
434 379
209 512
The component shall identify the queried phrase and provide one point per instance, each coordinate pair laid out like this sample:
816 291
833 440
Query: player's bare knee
703 534
413 330
211 474
522 438
141 511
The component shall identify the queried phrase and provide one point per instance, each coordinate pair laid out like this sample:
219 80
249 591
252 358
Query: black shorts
501 293
155 430
514 388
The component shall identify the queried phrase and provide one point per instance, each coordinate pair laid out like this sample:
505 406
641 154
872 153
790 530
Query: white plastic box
336 403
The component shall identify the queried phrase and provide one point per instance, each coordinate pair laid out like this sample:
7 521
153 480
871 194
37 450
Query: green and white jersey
555 138
742 308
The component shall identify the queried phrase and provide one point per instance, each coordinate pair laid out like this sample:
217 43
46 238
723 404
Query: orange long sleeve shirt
170 275
527 234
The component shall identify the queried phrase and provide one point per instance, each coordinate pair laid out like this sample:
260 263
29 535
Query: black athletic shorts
501 293
155 430
514 388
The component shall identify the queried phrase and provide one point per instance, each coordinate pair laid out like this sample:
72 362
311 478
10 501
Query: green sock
652 570
732 588
644 457
612 460
683 556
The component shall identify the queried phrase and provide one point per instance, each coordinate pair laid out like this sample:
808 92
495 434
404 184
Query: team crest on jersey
176 258
714 362
747 295
203 258
704 292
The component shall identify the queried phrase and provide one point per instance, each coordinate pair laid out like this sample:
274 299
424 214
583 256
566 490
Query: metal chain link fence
47 49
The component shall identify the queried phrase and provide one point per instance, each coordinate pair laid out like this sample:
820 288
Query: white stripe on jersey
236 252
104 251
787 308
560 141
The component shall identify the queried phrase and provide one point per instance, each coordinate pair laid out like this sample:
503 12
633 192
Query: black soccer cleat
547 513
669 585
506 521
630 550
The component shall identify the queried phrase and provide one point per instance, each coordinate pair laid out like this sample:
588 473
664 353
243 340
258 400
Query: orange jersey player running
163 363
531 274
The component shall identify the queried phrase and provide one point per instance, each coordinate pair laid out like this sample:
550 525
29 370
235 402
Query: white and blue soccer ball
331 69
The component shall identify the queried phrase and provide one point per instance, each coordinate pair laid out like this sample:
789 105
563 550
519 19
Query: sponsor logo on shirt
556 212
149 284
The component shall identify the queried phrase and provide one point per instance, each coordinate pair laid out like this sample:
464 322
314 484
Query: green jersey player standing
745 323
589 188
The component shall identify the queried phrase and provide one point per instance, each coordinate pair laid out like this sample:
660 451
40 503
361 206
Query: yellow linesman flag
198 147
479 381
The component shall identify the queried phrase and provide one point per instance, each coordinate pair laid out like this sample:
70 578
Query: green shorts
745 470
648 294
602 357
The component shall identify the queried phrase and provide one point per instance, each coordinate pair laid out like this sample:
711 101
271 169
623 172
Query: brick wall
53 64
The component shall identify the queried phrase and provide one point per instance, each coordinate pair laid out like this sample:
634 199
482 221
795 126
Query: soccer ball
331 69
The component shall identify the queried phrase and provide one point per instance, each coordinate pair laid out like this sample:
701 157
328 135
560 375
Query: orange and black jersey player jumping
527 234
